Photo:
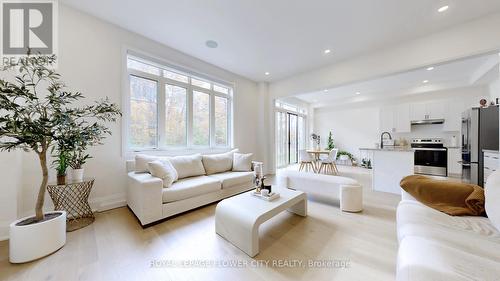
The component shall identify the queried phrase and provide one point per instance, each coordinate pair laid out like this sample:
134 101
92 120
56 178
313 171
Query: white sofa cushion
188 166
242 162
164 170
492 198
142 160
416 213
423 259
470 234
218 163
230 179
190 187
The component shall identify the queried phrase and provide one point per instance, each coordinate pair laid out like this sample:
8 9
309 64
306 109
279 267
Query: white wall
90 61
10 186
494 90
358 126
351 128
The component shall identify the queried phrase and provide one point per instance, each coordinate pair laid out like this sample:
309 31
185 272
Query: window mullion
189 121
212 120
161 113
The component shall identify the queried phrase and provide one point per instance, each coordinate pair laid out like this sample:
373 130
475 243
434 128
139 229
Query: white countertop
395 148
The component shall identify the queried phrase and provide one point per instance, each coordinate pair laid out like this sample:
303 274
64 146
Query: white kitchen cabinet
402 118
453 117
418 111
454 158
491 163
436 110
429 110
387 116
395 119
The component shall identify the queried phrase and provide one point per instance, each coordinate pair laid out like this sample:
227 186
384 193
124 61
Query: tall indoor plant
35 114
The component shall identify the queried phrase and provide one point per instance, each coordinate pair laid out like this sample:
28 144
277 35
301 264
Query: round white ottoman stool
351 198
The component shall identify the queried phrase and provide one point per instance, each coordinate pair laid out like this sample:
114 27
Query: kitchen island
389 166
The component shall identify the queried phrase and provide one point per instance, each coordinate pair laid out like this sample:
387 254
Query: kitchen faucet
382 139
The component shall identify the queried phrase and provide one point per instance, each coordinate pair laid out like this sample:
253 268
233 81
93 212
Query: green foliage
61 163
343 152
330 144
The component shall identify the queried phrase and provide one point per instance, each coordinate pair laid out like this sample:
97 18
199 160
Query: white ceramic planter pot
34 241
77 174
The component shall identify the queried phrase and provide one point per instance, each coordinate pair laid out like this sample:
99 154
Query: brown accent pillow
452 198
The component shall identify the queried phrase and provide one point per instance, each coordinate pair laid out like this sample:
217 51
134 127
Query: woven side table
72 197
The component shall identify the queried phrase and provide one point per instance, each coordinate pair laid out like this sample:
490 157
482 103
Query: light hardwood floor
115 247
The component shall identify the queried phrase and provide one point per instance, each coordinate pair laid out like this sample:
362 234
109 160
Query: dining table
317 153
316 156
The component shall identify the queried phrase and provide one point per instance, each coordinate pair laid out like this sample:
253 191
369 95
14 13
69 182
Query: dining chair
306 161
328 165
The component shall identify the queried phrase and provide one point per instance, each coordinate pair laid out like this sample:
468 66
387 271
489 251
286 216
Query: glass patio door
290 138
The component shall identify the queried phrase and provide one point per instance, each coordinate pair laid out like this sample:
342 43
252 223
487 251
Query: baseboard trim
4 230
106 203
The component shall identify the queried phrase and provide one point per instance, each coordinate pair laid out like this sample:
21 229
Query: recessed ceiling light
267 73
425 81
442 9
430 68
325 90
211 44
327 51
358 93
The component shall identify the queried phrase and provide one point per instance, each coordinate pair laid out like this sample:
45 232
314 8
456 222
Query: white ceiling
283 37
479 70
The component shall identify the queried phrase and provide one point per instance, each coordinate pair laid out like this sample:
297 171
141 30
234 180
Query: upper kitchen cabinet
395 119
453 117
403 122
436 110
418 111
426 111
387 122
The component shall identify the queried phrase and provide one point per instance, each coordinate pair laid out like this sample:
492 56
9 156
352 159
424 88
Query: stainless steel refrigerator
479 131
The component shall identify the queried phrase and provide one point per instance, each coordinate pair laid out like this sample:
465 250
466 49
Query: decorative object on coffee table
72 197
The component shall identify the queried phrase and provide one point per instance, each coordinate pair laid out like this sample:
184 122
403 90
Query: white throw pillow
141 162
218 163
188 166
242 162
164 170
492 198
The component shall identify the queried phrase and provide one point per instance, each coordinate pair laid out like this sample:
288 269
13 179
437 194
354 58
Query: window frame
162 81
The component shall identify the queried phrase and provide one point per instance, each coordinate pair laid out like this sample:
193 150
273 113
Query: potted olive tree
35 111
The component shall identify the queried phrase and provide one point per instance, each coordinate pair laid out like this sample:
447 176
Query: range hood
427 121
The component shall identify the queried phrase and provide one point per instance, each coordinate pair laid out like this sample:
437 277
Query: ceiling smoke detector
211 44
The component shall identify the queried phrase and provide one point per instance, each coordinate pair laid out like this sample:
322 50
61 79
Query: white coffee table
237 219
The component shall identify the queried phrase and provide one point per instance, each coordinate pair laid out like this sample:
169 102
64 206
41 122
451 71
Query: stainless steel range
431 157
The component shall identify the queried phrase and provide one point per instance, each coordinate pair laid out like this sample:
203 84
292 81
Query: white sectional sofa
436 246
150 201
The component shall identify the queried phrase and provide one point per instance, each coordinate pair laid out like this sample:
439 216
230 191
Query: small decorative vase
61 179
77 174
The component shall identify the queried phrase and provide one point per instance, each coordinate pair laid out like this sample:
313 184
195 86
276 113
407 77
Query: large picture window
170 108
